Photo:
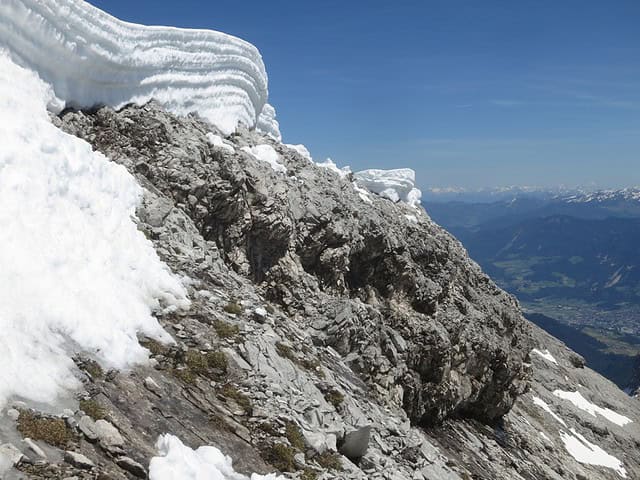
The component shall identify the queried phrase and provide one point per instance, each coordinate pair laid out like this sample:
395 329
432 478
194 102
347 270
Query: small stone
151 385
33 446
299 459
88 427
108 435
260 314
78 460
131 466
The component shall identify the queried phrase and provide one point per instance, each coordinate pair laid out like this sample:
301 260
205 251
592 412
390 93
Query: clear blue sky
470 93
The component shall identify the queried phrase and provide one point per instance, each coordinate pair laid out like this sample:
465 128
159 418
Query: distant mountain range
573 256
578 246
507 193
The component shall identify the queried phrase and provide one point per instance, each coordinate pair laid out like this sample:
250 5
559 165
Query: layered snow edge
91 58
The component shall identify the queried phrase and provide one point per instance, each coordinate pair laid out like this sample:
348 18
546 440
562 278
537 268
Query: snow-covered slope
76 274
90 57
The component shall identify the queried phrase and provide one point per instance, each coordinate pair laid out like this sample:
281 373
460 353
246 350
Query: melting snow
330 165
218 141
302 150
585 452
545 354
76 272
583 404
396 185
176 461
362 193
266 153
542 404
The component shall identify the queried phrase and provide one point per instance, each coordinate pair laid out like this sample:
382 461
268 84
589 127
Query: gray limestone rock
78 460
350 315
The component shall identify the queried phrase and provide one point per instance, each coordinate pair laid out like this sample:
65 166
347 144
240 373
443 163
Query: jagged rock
33 446
88 427
78 460
108 436
372 319
153 386
461 341
132 467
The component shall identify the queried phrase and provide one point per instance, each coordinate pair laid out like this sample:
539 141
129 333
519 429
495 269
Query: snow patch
585 452
583 404
266 153
396 185
362 193
176 461
542 404
545 354
218 141
91 58
330 165
302 150
76 274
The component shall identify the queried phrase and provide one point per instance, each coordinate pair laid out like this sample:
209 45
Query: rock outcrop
332 333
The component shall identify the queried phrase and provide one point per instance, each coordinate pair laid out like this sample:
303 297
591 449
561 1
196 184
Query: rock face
332 333
400 299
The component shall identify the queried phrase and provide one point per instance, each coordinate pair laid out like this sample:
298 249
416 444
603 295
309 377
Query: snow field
76 275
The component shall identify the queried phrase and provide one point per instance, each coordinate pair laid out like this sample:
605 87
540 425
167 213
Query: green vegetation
286 351
234 308
334 397
226 330
281 456
53 431
329 460
155 347
294 435
93 408
309 474
615 343
312 365
94 369
230 392
211 364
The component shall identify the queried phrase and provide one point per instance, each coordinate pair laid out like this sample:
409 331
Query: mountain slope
292 320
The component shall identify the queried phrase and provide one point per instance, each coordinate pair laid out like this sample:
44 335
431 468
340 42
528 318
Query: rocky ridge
331 334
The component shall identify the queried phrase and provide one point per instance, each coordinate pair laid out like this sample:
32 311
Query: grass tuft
53 431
